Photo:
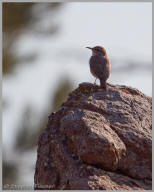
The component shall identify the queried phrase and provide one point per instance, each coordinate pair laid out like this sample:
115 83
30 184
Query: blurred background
44 58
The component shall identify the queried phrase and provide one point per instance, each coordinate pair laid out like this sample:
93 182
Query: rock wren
100 65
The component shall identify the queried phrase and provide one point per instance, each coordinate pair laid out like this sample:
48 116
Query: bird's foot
95 81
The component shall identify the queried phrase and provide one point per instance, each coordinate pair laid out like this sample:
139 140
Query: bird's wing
99 67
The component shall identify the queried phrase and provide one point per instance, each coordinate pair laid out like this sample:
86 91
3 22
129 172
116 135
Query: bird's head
98 51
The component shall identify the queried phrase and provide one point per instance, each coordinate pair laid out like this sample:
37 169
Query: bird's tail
103 84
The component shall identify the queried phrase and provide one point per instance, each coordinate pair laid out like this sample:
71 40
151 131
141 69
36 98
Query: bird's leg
95 81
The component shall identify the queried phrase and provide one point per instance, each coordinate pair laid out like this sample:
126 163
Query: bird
100 65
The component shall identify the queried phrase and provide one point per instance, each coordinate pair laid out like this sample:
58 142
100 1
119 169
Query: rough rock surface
97 140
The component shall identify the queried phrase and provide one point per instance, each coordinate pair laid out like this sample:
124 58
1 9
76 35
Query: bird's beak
89 47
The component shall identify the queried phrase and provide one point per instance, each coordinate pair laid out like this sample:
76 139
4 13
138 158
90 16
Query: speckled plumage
100 65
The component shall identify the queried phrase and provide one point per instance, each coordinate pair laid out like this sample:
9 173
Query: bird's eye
97 50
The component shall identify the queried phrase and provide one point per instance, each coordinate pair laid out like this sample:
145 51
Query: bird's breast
99 66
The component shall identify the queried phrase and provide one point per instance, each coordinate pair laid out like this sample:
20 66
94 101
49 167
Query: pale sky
127 26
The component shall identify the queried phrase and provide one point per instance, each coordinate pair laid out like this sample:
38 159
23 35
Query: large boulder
97 140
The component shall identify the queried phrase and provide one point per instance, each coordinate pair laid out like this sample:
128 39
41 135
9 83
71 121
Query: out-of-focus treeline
20 19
